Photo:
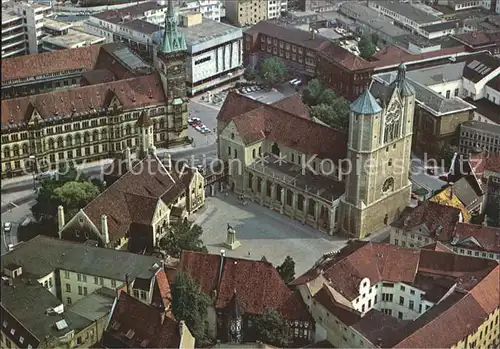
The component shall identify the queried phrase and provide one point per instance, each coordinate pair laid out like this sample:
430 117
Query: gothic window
15 150
95 135
51 143
69 141
78 139
6 152
86 137
25 148
388 185
128 129
392 123
60 142
104 134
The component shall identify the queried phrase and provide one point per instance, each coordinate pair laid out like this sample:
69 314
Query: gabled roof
468 190
444 324
257 284
448 198
134 324
86 101
293 104
347 315
49 62
437 246
133 198
487 237
257 121
439 219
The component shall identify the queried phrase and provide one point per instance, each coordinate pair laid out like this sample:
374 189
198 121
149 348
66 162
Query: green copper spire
173 39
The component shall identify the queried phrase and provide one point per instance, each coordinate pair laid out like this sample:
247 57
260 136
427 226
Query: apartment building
369 295
477 134
431 222
62 35
45 278
22 27
244 13
275 8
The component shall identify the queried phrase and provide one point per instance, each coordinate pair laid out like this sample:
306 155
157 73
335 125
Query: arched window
253 153
128 129
104 134
392 123
69 140
275 149
95 135
26 148
86 137
60 142
388 185
51 143
78 139
6 152
162 123
15 150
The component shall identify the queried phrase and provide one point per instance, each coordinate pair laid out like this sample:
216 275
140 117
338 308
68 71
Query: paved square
263 232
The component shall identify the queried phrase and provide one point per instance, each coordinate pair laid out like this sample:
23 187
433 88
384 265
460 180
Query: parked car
7 226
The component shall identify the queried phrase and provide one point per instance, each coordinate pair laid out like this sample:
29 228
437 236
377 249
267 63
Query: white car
197 128
7 226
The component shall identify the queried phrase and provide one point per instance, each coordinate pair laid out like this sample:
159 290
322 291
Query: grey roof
483 126
366 104
96 305
142 26
441 26
428 99
42 255
371 18
27 301
438 74
408 11
128 12
467 190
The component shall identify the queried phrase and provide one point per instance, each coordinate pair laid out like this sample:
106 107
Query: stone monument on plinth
231 242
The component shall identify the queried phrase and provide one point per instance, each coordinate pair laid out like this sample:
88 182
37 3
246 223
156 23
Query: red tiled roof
394 55
480 38
163 288
133 198
293 104
346 315
433 215
493 163
339 55
256 285
437 246
446 323
134 93
260 121
50 62
488 237
151 327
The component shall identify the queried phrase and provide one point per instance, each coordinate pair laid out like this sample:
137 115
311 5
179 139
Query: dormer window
4 324
12 331
115 325
130 334
232 135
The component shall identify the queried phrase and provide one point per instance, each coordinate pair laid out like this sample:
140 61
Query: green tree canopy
271 328
375 38
367 47
272 71
181 237
326 105
190 304
54 192
287 270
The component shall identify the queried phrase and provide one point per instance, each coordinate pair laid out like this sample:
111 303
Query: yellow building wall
446 198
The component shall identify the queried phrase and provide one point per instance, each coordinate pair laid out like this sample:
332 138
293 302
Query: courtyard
263 232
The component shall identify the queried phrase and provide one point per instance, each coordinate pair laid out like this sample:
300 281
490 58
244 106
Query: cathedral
82 105
355 182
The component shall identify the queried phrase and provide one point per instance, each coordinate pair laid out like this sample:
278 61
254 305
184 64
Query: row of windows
83 278
8 343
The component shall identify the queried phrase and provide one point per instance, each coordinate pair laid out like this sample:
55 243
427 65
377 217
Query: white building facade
22 28
276 7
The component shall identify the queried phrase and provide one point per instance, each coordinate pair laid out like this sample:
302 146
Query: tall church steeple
173 39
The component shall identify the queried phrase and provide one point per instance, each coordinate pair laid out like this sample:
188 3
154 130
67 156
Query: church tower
145 136
379 151
170 61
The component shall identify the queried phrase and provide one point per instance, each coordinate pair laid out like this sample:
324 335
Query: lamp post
33 173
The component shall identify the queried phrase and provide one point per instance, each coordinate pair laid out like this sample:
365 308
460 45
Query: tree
271 328
375 38
336 117
183 236
287 270
493 212
313 92
190 304
272 71
249 74
72 195
447 154
366 46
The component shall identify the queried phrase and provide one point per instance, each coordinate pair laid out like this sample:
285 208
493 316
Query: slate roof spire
366 104
173 39
404 87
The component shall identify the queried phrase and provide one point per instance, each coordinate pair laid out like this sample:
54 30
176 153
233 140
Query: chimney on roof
128 158
222 255
451 193
60 217
485 220
104 229
127 282
169 162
